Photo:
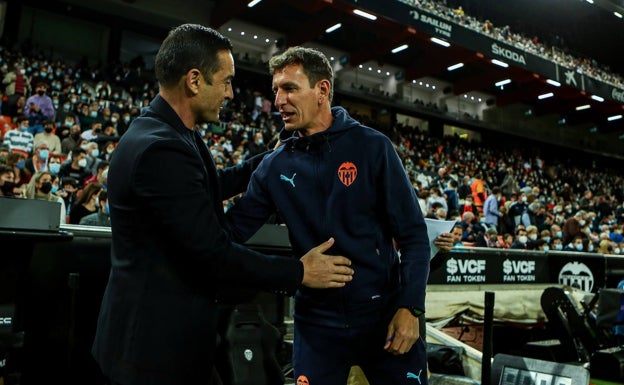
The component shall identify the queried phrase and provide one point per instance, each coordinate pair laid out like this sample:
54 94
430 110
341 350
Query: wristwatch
415 312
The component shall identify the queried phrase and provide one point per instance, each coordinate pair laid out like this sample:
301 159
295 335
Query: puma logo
415 376
289 180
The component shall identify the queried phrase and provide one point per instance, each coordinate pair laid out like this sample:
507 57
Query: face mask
94 114
559 246
559 234
23 128
579 247
65 108
97 201
40 92
48 129
46 187
113 119
82 163
546 248
95 153
523 239
533 237
55 168
615 251
547 239
468 203
524 199
260 142
590 247
43 154
20 164
110 150
7 188
582 222
126 119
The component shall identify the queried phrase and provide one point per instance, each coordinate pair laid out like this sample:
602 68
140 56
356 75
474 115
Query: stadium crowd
533 44
61 122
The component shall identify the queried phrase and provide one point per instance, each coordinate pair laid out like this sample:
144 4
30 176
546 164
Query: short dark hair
315 65
189 46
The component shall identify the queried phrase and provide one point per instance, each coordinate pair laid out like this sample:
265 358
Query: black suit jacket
171 255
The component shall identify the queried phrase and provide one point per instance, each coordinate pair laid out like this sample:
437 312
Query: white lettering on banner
6 320
617 95
508 54
3 363
440 27
474 278
518 267
467 270
465 266
570 78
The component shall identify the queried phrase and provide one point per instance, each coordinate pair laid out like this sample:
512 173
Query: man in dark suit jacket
171 254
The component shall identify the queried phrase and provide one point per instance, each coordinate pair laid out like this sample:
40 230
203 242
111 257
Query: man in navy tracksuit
334 177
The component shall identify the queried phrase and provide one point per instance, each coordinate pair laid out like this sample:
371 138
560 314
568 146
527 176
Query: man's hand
321 271
403 332
444 241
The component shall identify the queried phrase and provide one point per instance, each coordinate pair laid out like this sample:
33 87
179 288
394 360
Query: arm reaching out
321 271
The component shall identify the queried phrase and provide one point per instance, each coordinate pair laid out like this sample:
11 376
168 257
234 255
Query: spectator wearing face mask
39 108
576 244
92 134
86 204
556 244
7 180
101 217
93 156
54 163
521 240
40 187
71 142
77 167
19 138
39 160
519 211
48 136
17 160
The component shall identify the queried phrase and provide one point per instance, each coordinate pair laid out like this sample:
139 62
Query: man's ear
193 78
324 89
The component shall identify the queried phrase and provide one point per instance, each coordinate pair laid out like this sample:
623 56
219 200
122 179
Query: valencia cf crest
347 172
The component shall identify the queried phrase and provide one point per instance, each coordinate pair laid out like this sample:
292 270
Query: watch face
416 312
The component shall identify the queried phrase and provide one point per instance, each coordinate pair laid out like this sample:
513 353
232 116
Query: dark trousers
323 355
